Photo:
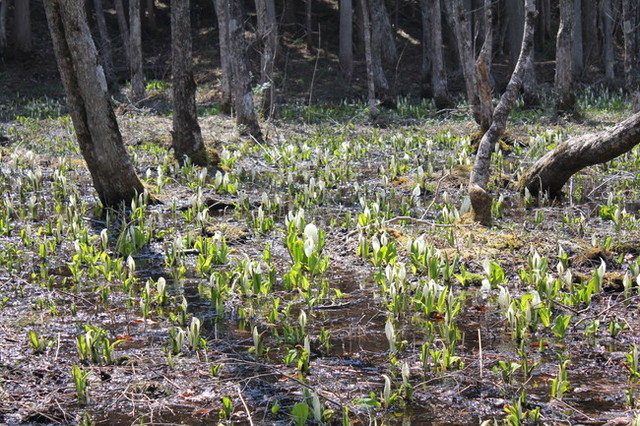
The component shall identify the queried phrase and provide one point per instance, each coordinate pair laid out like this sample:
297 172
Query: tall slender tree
186 135
609 58
629 33
135 54
346 39
123 25
105 43
268 34
3 26
565 94
226 92
433 60
22 43
90 105
246 118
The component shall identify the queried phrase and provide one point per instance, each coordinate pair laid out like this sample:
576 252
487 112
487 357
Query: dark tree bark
22 43
3 26
554 169
480 199
433 61
565 94
372 12
135 55
609 59
475 75
105 44
308 24
90 105
124 29
515 23
268 34
186 135
226 95
383 35
576 39
427 49
150 15
246 117
346 39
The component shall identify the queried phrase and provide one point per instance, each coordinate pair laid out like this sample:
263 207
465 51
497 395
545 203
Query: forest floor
329 276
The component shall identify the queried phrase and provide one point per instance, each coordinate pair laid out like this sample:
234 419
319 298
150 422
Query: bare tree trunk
226 97
368 54
246 118
383 92
124 29
90 105
609 59
22 28
480 199
426 91
135 44
383 35
628 29
475 77
346 39
553 170
515 23
432 43
105 44
576 39
268 34
566 98
590 43
150 15
186 135
3 26
308 29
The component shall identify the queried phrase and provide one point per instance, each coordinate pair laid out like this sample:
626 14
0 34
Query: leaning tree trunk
553 170
268 34
566 98
90 105
186 135
480 199
226 95
135 44
105 44
246 118
475 77
346 39
22 28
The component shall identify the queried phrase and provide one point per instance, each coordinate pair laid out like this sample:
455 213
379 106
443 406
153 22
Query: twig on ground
245 405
